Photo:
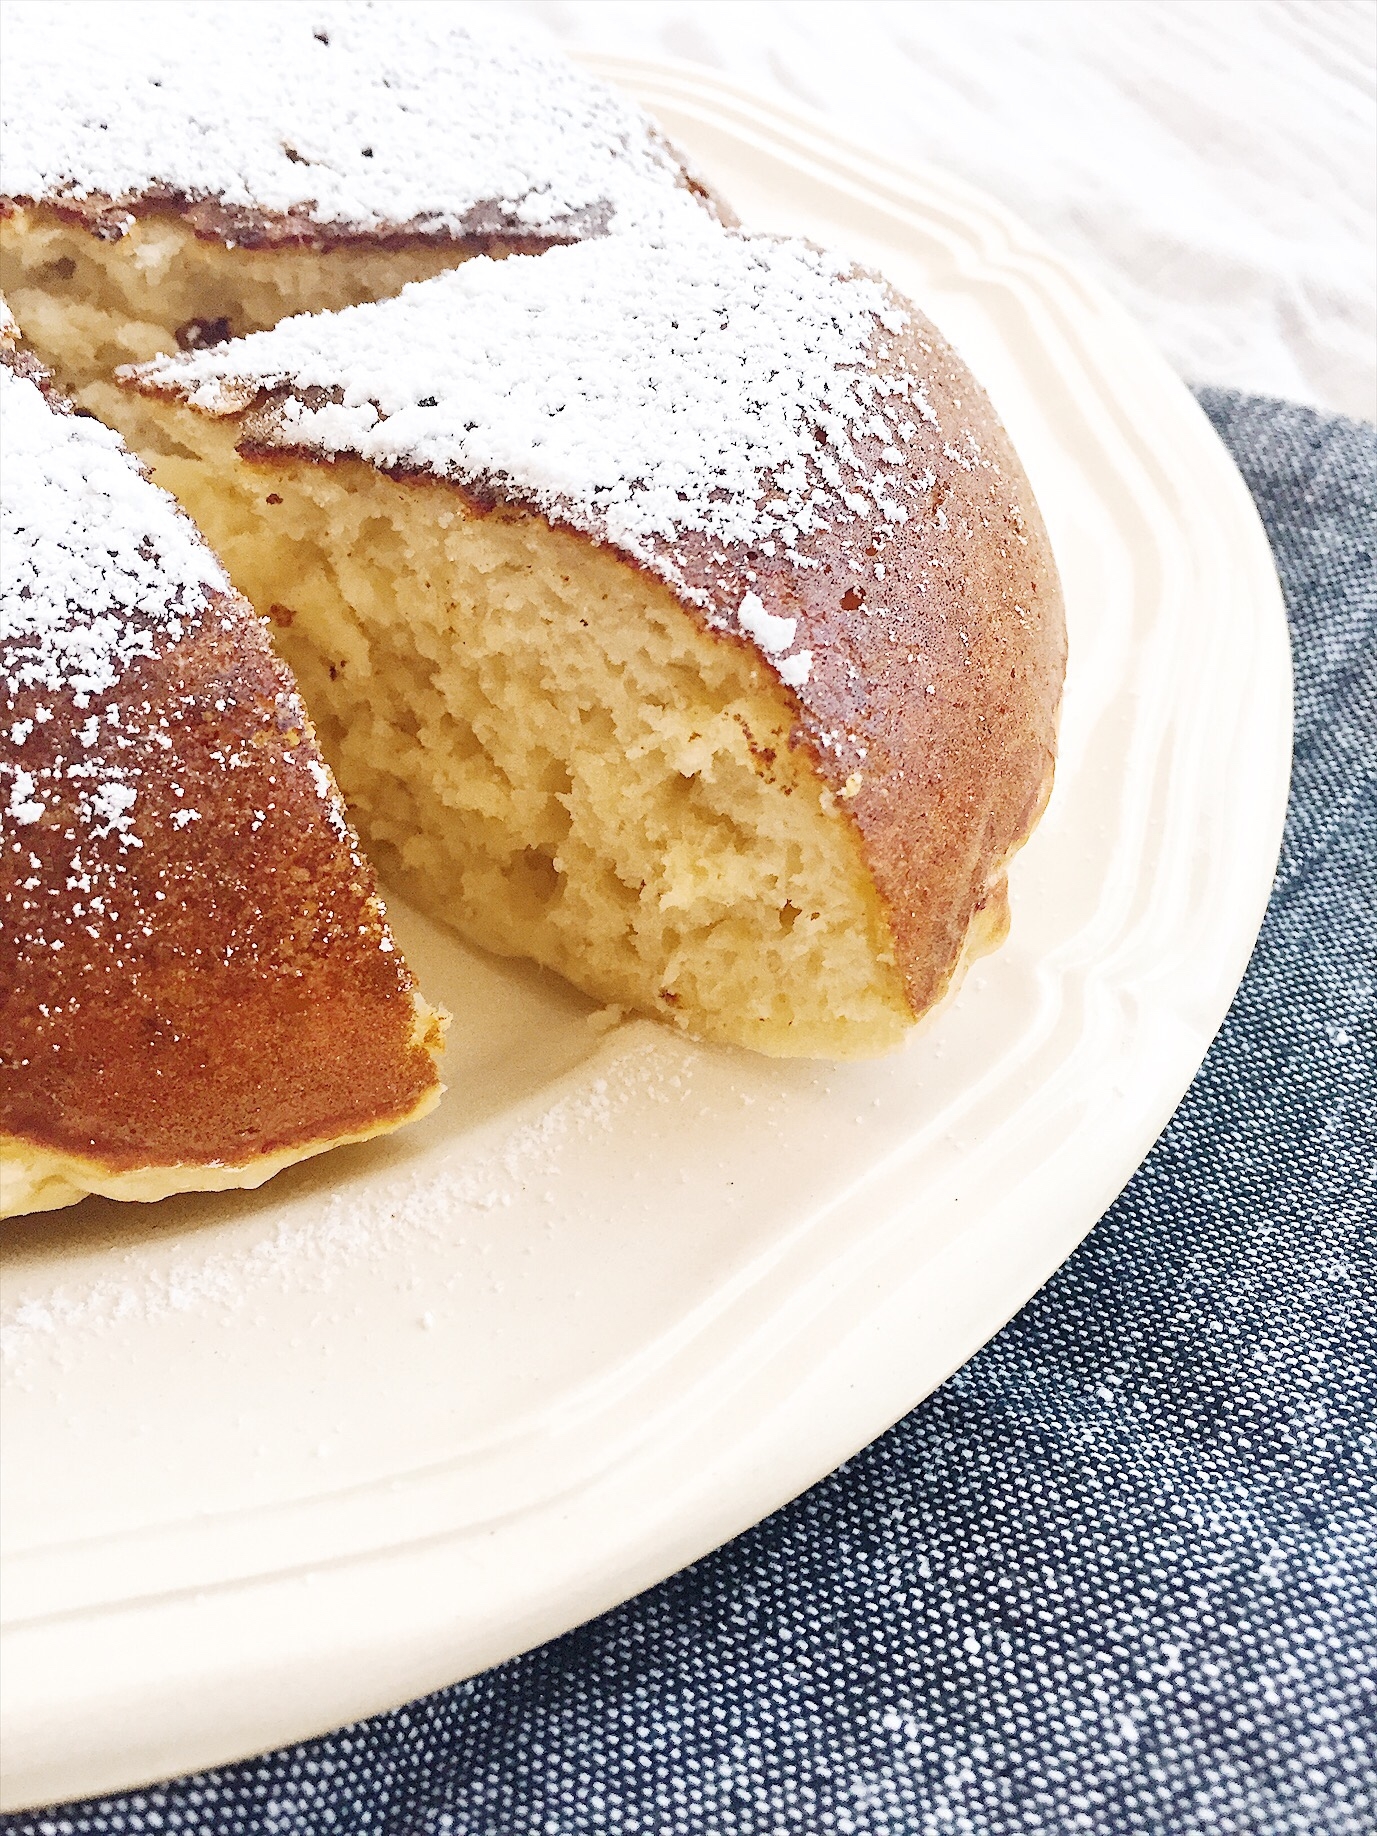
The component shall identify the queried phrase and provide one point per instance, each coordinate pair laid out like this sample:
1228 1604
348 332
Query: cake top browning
320 121
101 574
740 392
98 565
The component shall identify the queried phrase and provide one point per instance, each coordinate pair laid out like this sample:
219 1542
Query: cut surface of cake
199 983
674 611
173 177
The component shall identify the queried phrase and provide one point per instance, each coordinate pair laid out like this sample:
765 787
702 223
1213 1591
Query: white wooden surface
1213 162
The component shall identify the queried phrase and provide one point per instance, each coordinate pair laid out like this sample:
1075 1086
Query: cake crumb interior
544 749
86 305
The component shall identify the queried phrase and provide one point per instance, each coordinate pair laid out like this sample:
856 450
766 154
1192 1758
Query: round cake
671 606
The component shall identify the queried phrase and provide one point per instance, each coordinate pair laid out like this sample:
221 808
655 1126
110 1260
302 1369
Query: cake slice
174 176
199 983
675 613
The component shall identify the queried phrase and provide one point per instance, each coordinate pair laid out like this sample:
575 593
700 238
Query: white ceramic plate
278 1460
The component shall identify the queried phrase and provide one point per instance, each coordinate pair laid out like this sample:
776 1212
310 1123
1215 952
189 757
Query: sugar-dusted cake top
726 392
102 576
97 566
316 116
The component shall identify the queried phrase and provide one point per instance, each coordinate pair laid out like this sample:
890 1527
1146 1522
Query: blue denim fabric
1119 1575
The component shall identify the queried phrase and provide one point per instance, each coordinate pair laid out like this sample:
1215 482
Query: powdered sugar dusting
98 565
774 635
355 116
642 394
315 1239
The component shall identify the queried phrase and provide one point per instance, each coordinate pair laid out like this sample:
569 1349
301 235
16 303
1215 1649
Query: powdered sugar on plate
354 117
316 1240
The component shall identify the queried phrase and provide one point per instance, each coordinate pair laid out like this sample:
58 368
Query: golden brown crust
946 702
210 989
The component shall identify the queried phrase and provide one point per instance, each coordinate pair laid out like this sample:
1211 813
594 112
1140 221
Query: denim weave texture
1119 1575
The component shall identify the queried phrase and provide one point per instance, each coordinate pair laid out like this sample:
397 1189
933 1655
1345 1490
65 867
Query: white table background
1213 162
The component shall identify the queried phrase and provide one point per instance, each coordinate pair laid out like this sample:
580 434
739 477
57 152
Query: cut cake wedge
674 613
199 983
